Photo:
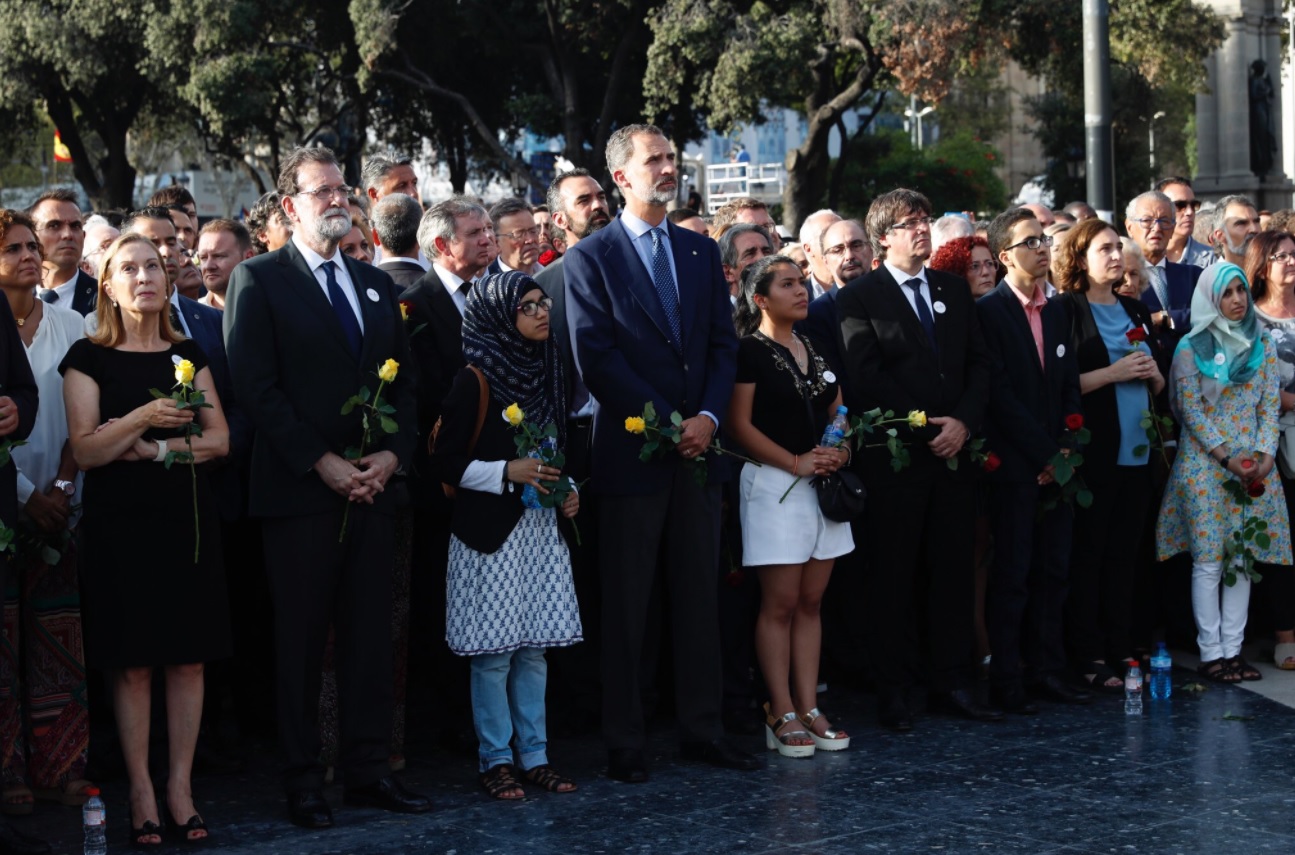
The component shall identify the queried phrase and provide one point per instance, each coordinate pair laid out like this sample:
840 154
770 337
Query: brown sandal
1244 669
550 780
1219 670
499 780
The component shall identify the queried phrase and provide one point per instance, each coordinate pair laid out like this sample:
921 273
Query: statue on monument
1263 142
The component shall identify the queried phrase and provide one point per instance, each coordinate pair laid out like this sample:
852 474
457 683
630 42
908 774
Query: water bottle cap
841 410
91 791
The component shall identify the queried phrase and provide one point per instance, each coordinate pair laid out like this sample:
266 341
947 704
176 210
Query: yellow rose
404 311
184 372
635 424
917 418
514 415
387 372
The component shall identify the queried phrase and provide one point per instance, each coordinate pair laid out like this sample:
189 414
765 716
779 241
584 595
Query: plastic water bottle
95 820
834 435
531 496
1161 666
1133 689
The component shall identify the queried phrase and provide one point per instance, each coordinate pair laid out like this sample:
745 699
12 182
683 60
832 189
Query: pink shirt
1033 307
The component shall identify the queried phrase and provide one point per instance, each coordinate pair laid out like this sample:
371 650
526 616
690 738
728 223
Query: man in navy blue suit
1036 388
1149 220
648 312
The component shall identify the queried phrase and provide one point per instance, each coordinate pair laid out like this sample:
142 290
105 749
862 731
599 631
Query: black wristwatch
1225 461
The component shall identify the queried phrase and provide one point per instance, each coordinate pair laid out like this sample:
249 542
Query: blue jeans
508 702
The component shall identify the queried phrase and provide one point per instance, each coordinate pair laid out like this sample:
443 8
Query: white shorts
792 532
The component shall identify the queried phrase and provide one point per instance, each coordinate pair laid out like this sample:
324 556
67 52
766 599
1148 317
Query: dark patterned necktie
342 308
665 285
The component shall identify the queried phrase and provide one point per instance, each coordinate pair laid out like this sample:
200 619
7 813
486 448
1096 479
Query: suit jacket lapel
370 311
309 293
1017 313
687 266
624 261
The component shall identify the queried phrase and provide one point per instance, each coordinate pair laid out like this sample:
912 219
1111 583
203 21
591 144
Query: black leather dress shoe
1053 688
308 809
962 702
14 842
387 793
1012 699
626 764
722 753
893 713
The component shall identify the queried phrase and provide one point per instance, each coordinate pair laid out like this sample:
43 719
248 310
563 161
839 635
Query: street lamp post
915 116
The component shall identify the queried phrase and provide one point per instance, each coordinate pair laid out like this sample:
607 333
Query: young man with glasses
913 343
1182 247
60 230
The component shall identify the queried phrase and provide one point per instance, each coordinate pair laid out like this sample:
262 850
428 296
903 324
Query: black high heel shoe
193 824
148 829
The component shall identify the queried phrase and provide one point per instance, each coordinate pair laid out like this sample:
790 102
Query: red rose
1136 335
1247 463
547 257
992 462
1074 421
1255 489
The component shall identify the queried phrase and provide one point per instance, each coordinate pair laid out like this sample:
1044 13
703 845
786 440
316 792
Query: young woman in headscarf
1224 391
509 589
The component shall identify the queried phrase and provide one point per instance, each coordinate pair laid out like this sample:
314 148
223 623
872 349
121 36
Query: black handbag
841 495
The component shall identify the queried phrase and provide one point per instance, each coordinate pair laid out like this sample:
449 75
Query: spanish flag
61 154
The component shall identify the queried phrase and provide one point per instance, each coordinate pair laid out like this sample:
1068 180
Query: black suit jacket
438 353
87 293
1101 413
1029 401
553 282
1180 282
890 363
822 326
402 271
292 371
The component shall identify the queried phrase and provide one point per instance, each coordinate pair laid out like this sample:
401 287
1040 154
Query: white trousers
1220 629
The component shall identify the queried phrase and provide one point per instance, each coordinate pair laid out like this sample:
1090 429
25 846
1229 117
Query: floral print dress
1198 515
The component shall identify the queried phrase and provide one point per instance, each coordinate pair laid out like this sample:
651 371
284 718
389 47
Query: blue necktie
665 285
342 308
50 296
923 312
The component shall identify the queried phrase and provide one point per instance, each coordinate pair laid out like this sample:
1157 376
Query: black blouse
778 409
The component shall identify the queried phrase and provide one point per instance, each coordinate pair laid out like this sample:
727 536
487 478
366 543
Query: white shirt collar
313 259
638 227
901 277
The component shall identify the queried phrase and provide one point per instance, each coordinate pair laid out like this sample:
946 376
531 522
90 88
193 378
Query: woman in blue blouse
1119 380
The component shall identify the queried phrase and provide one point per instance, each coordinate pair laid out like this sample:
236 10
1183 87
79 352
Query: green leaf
649 413
387 409
676 419
351 453
349 406
1084 498
365 394
1263 541
388 425
1139 450
1145 423
952 462
550 431
158 394
50 555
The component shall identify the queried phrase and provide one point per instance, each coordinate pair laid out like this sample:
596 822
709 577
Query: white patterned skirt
519 596
788 532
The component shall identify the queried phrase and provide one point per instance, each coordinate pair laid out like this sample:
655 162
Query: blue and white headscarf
527 373
1222 352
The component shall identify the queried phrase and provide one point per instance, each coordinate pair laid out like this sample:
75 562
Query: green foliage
1238 558
956 173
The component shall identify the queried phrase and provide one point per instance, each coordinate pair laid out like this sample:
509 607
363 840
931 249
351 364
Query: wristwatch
68 488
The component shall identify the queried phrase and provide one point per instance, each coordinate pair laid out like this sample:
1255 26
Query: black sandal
1244 669
1101 674
195 823
148 829
1219 670
498 780
550 780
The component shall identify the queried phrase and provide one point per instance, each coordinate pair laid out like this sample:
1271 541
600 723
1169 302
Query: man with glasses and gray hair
1150 223
306 328
61 233
519 238
913 345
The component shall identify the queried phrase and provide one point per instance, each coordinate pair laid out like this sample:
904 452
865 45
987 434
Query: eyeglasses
840 249
1282 257
1184 204
1148 222
325 194
979 266
522 234
56 226
1032 242
913 224
532 307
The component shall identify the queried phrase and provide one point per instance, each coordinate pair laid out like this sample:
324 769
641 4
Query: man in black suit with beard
456 236
395 226
913 343
305 328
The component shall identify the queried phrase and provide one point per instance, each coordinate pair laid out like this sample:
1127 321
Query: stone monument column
1238 107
